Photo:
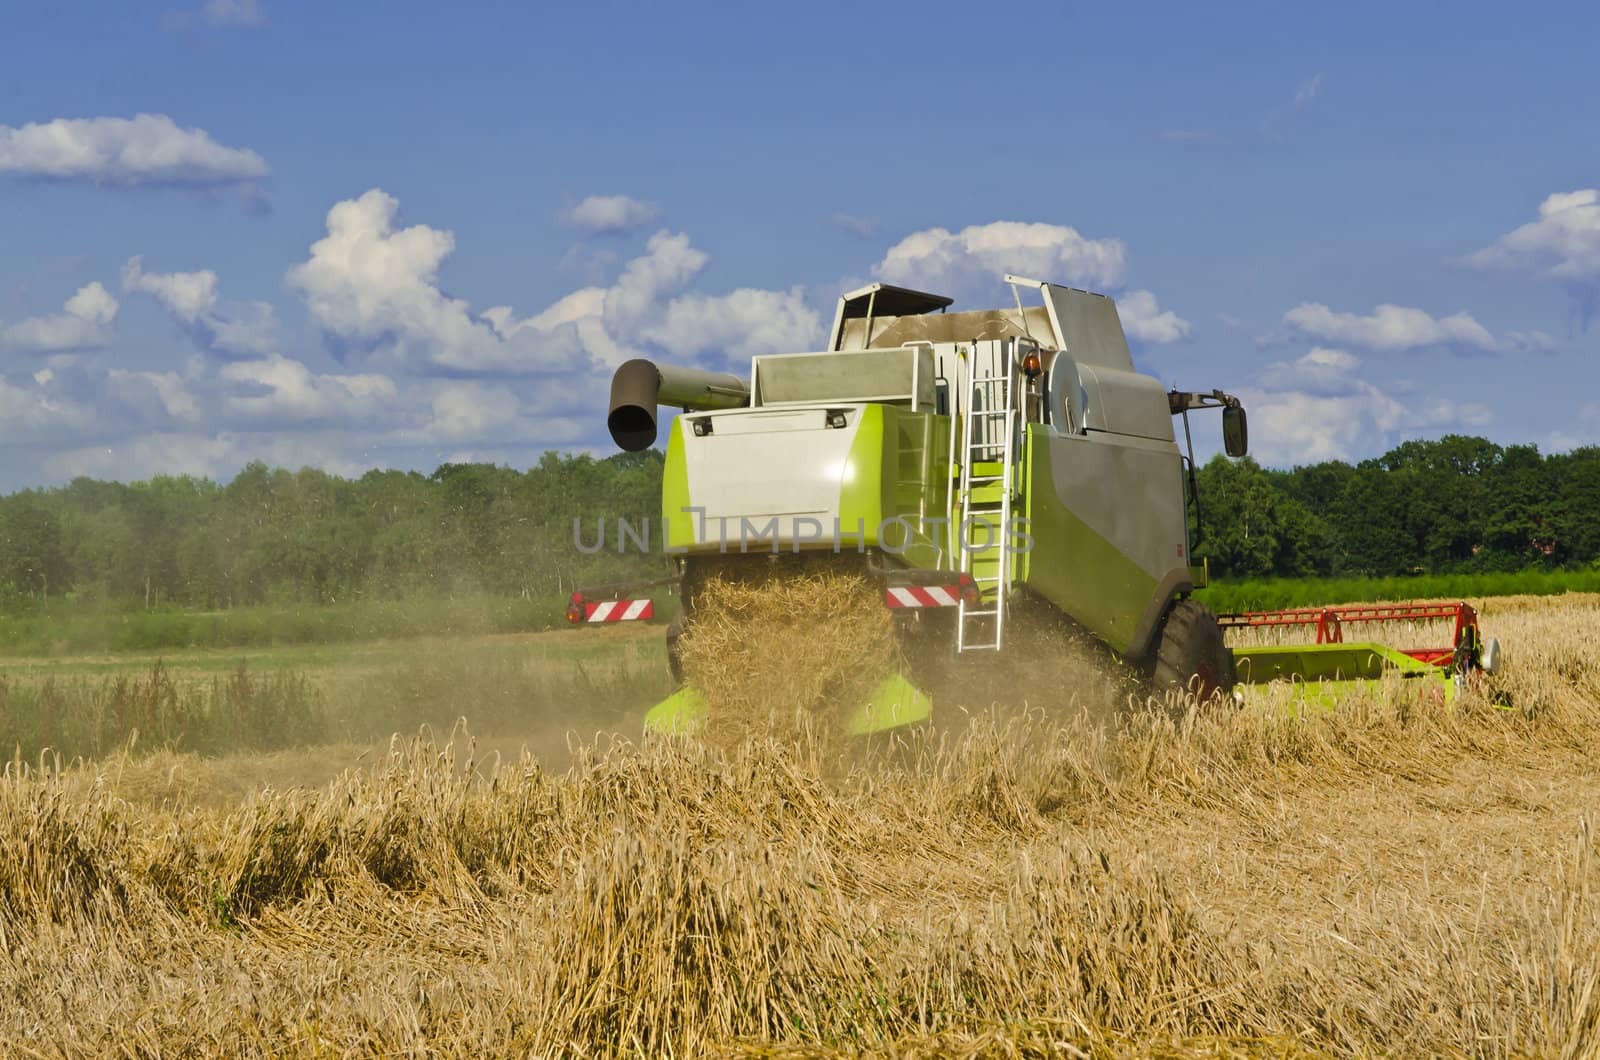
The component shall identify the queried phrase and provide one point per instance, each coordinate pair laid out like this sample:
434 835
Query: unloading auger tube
640 386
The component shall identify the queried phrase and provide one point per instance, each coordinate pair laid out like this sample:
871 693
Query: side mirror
1235 432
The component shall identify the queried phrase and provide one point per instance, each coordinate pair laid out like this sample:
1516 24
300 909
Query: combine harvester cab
971 463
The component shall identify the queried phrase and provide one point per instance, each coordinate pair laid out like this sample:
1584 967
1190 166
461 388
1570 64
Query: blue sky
373 235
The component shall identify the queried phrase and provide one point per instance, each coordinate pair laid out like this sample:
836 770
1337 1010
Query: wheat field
1386 879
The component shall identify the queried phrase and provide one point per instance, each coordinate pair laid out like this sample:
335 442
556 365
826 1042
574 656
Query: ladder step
986 498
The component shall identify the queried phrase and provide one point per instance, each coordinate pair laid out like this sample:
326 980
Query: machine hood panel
764 463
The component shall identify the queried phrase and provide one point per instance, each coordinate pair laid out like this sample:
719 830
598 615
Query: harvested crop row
1382 879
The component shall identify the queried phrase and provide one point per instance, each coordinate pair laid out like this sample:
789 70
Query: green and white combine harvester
978 464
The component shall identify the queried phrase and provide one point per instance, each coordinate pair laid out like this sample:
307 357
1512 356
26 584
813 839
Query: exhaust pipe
639 386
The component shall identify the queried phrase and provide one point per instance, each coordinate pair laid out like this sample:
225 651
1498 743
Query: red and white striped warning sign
922 596
618 610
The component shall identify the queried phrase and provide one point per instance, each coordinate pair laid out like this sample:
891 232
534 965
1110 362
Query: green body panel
920 489
866 485
1323 673
678 523
678 715
895 703
1072 566
984 541
893 473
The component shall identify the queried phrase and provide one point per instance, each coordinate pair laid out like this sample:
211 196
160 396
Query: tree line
1456 504
272 535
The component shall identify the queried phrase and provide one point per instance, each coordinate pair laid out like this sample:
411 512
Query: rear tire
1190 655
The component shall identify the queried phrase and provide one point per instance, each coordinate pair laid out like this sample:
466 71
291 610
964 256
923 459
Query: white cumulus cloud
649 309
975 258
84 323
937 259
1319 407
1394 328
744 323
470 412
157 453
188 296
146 149
666 267
1325 372
34 414
170 390
1295 427
191 299
1144 319
369 282
612 214
114 401
493 417
277 388
1562 244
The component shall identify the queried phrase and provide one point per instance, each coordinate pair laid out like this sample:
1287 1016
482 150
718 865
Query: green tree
1573 502
1373 535
1518 519
32 560
1449 485
1241 529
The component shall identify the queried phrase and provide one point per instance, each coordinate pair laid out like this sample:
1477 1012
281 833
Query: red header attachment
1330 623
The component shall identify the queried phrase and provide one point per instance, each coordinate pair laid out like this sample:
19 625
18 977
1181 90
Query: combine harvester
976 465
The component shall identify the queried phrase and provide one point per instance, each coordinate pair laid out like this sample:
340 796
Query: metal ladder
989 424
